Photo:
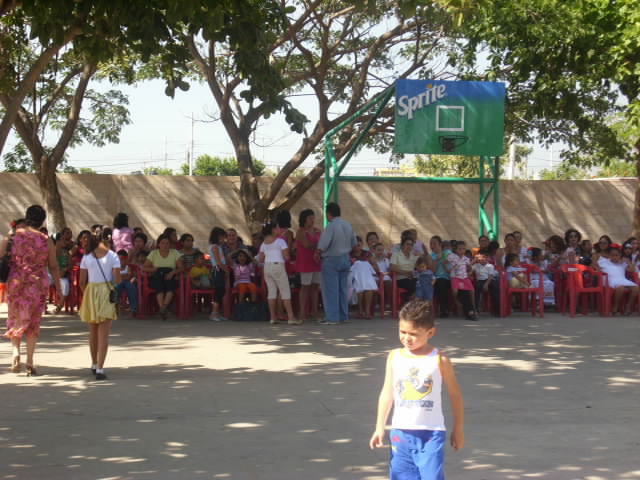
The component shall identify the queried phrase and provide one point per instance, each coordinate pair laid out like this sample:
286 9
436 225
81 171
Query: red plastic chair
380 296
560 288
585 281
191 294
528 296
609 292
396 295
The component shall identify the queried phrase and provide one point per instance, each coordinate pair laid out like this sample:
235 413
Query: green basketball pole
333 170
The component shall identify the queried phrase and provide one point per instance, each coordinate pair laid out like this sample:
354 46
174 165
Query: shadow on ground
553 398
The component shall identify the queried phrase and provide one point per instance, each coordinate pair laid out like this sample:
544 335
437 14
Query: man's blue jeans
335 291
132 293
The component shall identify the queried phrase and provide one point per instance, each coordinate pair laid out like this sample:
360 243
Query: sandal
31 371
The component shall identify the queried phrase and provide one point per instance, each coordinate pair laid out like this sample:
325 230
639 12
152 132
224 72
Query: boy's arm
457 402
385 402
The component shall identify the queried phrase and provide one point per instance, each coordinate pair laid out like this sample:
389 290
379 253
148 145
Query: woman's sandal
15 365
31 371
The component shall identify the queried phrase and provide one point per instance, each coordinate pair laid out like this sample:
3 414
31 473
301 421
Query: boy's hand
377 439
457 439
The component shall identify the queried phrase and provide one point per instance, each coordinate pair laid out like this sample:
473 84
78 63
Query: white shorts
307 278
276 279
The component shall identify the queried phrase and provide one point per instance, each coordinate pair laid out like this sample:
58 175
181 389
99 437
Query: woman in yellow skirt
99 273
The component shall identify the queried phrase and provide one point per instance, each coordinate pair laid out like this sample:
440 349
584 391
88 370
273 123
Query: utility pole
191 159
512 158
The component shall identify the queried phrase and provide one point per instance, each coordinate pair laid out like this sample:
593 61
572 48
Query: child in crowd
487 281
243 275
273 253
139 259
441 267
128 281
358 252
364 283
515 273
381 260
200 273
413 384
586 251
64 260
425 280
536 257
188 252
460 283
616 267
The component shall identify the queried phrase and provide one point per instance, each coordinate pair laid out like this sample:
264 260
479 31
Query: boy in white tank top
412 385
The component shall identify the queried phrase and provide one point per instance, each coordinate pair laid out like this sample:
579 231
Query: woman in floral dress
27 287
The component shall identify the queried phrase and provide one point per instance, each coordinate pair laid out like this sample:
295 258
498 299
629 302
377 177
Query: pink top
242 273
122 239
305 263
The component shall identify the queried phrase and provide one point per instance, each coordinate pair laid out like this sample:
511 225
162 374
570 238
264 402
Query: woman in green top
164 265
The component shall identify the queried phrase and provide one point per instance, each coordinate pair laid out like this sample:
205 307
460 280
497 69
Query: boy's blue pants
417 454
132 293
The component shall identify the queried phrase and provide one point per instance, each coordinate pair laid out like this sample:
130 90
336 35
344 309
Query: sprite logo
407 105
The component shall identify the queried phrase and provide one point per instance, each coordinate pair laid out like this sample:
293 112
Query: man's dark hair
333 209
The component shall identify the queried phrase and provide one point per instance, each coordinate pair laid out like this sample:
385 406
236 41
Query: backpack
251 312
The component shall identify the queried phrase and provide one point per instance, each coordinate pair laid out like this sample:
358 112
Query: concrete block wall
196 204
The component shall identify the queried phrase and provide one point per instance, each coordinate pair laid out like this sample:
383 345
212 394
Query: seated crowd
451 273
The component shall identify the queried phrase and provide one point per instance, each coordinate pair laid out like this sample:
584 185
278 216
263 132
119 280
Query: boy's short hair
122 253
418 312
421 261
197 255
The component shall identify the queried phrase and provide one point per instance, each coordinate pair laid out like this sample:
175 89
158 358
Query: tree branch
29 80
58 92
74 114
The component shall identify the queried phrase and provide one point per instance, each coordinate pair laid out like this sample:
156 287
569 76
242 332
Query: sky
164 131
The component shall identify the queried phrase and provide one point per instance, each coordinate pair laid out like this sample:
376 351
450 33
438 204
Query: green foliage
567 64
462 166
447 166
80 171
564 171
618 168
207 165
157 171
19 160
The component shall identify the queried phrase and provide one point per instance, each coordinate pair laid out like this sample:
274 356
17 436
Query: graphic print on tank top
417 385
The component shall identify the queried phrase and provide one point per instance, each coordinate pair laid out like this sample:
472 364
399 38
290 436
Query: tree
617 168
337 54
212 166
564 171
157 171
55 106
462 166
570 67
34 33
79 171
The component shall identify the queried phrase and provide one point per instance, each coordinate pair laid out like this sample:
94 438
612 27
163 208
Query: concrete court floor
555 398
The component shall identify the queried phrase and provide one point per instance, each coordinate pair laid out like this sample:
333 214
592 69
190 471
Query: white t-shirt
108 263
484 272
273 251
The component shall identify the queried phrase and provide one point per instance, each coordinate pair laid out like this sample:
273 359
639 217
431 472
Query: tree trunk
51 198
